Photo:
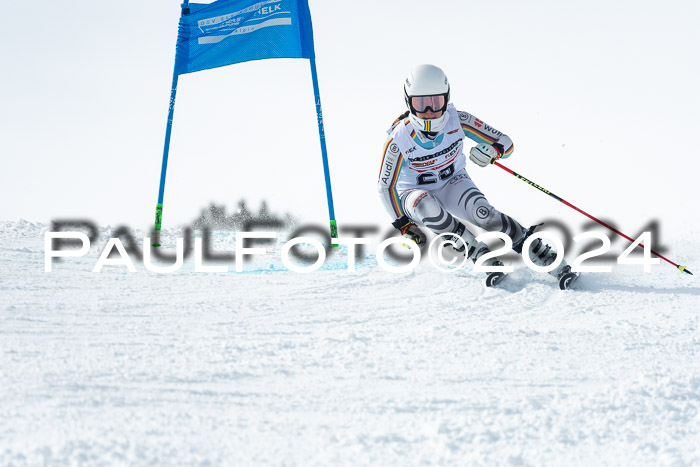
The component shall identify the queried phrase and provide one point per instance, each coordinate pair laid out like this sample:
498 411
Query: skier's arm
392 160
480 132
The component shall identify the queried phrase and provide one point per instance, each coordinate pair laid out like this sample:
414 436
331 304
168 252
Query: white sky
599 97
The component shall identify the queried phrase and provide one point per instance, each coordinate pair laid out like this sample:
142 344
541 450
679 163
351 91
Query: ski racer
423 177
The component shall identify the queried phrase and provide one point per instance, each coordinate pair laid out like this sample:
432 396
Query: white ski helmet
426 87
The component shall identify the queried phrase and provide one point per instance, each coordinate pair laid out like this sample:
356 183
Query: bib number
429 177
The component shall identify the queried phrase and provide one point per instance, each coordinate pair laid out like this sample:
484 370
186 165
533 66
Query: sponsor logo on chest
424 164
429 159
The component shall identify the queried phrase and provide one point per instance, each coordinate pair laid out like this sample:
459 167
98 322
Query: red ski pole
544 190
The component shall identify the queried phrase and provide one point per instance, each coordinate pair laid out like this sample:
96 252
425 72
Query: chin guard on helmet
429 125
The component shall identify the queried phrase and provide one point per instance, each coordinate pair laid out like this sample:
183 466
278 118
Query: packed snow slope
333 367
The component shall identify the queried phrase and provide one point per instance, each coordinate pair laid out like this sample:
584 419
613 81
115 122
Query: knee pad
425 208
426 205
422 204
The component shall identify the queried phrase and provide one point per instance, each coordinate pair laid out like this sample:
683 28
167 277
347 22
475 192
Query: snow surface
343 368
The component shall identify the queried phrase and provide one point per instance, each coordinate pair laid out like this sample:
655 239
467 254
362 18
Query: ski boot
492 277
543 255
465 242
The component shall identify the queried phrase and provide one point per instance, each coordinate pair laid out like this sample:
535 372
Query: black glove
409 230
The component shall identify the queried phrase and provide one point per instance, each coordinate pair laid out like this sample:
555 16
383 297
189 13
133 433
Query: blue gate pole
166 145
324 152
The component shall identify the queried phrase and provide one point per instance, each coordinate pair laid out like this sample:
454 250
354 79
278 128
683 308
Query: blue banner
233 31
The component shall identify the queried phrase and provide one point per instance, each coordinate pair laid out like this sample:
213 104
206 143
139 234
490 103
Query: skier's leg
465 200
425 208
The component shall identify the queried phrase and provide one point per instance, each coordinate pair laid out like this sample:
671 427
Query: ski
567 277
493 278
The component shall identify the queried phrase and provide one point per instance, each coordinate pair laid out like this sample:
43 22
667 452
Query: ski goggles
421 104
